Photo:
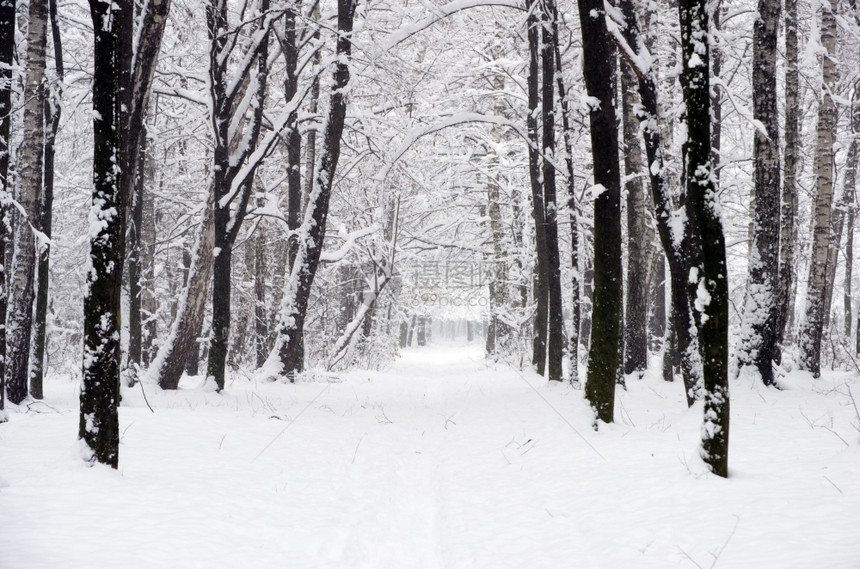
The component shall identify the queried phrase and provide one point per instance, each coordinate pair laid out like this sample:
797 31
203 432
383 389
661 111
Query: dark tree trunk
148 304
135 226
288 348
295 201
99 420
231 202
555 332
708 278
788 203
540 280
599 69
52 110
261 322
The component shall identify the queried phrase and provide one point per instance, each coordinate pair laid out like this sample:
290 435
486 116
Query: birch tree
51 111
20 317
813 327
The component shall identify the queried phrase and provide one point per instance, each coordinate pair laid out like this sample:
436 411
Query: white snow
438 462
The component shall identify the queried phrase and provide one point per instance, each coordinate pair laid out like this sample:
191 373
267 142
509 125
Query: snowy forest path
442 460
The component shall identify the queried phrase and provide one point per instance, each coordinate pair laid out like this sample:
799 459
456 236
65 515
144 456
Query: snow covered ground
438 462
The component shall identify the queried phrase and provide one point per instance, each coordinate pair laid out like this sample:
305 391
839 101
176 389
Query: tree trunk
286 355
148 301
677 247
759 332
261 322
181 341
135 299
573 207
20 318
99 421
708 278
52 110
639 235
540 280
657 317
599 69
810 340
7 54
555 332
788 203
850 200
499 331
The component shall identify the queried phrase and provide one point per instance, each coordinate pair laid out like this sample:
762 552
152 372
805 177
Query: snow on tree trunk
181 341
7 53
708 278
599 72
99 421
759 332
813 327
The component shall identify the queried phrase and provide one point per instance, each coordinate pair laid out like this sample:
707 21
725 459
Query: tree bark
759 332
99 421
708 277
788 202
7 54
639 235
135 226
555 333
261 322
850 200
181 341
148 301
810 340
20 319
498 340
540 280
51 112
598 69
573 207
